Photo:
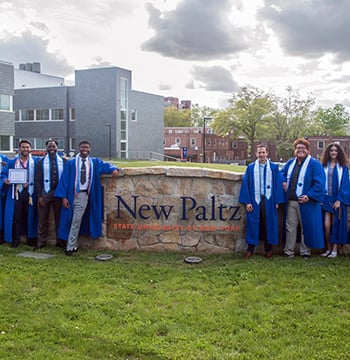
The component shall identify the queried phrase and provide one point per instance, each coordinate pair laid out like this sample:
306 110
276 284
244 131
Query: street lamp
204 123
110 140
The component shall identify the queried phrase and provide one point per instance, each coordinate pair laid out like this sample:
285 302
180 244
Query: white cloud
201 50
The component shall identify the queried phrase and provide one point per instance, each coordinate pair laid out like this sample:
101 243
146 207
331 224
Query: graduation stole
339 170
1 157
89 170
30 172
268 181
300 184
46 171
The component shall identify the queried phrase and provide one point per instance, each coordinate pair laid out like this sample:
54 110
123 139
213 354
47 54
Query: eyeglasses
300 148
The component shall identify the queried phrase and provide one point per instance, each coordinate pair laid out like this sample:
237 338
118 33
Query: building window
5 102
72 145
133 115
164 141
57 114
42 114
177 141
193 141
39 144
72 114
4 143
320 145
123 146
27 115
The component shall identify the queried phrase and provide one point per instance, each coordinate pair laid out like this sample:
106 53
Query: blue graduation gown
310 212
3 190
32 219
339 232
247 196
92 219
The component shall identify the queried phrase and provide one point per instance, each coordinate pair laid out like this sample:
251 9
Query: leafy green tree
293 117
176 118
199 113
248 115
332 121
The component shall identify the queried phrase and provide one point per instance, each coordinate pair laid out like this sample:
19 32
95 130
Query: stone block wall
172 208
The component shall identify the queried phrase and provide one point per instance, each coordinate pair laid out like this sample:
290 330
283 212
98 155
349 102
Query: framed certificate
17 176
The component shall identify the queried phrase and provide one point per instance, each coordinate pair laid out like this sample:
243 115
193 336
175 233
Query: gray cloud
215 78
309 28
30 48
195 30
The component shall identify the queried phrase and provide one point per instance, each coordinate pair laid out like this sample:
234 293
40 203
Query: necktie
83 172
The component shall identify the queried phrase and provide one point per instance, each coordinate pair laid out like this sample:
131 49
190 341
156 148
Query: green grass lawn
143 305
145 163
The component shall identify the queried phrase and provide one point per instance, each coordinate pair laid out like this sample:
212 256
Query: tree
199 113
176 118
248 115
293 117
332 121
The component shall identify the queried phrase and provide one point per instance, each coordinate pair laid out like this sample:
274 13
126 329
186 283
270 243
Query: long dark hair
341 157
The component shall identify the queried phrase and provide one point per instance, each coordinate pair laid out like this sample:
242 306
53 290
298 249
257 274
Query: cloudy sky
199 50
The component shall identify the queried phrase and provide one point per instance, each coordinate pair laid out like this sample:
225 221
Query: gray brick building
7 116
101 107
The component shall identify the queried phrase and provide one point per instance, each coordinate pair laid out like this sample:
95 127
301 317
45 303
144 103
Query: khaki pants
292 222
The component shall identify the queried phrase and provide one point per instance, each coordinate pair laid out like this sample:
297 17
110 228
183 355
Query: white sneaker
326 254
332 255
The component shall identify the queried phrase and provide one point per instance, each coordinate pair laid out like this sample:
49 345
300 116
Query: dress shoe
39 245
283 254
247 255
75 249
69 252
14 244
268 254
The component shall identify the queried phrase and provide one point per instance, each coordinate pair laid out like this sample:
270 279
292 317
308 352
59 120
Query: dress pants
79 207
43 216
292 222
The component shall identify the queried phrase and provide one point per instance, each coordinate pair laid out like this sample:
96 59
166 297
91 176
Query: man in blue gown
82 197
261 193
20 216
304 183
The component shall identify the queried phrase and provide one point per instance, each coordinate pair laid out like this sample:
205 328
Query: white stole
340 175
89 170
30 180
300 182
46 171
268 181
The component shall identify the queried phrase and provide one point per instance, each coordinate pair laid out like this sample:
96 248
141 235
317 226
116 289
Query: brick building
319 143
201 147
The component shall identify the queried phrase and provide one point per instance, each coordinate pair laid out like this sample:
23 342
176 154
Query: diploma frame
17 176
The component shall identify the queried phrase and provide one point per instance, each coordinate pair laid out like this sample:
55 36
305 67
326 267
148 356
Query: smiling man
261 193
304 183
47 174
20 216
81 192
